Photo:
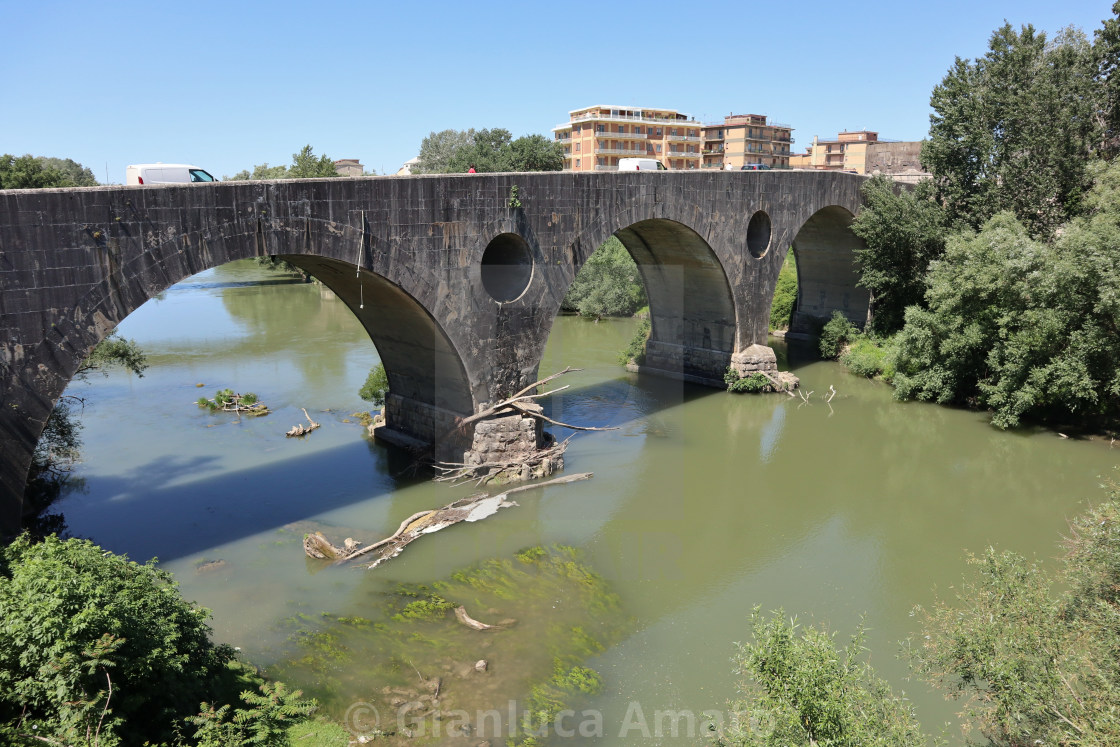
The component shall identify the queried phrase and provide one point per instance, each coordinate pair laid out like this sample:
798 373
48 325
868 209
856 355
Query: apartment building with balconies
746 138
595 137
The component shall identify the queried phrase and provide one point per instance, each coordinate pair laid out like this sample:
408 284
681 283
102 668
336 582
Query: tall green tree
1021 326
74 172
28 172
488 151
304 166
438 148
1013 130
608 284
456 151
1106 52
536 153
903 231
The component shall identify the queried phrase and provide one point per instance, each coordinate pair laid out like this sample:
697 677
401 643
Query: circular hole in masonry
758 234
507 267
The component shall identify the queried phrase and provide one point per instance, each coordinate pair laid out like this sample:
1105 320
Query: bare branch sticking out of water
471 508
299 430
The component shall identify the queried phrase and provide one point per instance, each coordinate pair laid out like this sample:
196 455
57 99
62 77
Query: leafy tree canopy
456 151
608 284
800 690
29 172
304 166
1022 326
903 231
79 622
1012 131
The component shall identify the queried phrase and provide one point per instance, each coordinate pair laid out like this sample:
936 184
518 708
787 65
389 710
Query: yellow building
848 152
746 138
862 152
595 137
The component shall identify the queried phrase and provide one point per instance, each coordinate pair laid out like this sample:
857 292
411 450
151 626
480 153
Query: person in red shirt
471 169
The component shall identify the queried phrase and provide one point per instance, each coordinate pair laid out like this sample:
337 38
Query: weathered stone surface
754 358
409 256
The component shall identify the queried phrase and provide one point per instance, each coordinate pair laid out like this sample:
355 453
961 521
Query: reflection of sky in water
771 434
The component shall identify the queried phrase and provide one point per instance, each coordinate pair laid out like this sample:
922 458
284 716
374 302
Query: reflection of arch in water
427 379
692 310
825 248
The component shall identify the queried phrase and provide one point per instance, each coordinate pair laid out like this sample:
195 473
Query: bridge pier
695 365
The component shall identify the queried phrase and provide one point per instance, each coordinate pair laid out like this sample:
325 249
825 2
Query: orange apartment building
746 138
595 137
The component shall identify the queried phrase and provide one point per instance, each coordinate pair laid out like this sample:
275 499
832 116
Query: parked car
165 173
640 164
755 167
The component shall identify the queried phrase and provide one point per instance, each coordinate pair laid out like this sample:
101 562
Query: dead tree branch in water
472 508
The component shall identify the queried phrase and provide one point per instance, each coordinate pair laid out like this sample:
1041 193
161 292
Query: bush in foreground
98 649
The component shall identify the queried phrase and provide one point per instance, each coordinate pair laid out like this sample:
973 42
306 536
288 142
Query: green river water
703 505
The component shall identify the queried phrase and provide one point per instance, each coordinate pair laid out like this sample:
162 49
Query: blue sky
227 85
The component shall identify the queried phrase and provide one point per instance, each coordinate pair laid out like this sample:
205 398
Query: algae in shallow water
404 653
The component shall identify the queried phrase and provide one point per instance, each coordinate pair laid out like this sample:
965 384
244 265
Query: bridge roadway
456 278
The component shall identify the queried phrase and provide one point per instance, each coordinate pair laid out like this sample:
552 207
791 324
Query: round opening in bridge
507 267
758 234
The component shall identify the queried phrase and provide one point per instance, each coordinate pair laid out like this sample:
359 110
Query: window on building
658 132
577 147
577 163
658 148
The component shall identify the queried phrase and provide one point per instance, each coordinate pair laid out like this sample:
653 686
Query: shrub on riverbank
376 386
1032 652
98 649
869 358
801 690
635 352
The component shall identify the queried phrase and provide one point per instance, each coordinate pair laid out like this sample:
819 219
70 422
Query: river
703 504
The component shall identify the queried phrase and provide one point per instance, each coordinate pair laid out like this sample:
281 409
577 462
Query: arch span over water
827 274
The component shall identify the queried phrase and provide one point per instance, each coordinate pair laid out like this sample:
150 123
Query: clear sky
228 85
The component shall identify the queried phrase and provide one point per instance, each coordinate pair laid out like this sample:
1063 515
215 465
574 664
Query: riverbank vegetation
785 294
100 650
995 284
1030 650
608 284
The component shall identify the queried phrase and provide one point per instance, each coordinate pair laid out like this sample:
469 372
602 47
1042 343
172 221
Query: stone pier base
513 438
761 359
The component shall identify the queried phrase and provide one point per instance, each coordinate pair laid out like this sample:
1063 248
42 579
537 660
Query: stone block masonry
456 288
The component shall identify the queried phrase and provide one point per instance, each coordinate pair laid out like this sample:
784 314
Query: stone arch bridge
457 278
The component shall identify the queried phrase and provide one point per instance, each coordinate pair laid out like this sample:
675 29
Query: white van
165 173
640 164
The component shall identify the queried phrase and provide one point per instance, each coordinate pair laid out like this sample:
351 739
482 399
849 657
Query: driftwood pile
471 508
514 465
